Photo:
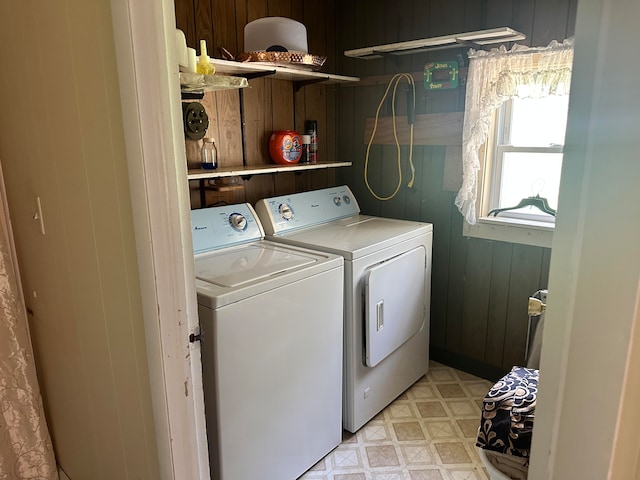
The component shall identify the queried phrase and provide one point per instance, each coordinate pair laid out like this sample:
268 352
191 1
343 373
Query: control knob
237 221
286 212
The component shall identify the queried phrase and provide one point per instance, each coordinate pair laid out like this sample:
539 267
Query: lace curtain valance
495 77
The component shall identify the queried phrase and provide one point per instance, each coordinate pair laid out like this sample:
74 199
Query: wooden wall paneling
331 35
319 179
258 121
258 187
314 18
346 37
522 19
345 141
229 133
284 183
389 179
398 27
369 28
523 282
498 302
241 15
475 15
282 112
445 18
429 129
282 108
314 101
185 20
366 101
475 308
499 13
225 32
550 21
420 28
415 196
258 126
435 208
256 9
204 25
279 8
455 291
330 91
390 174
330 125
297 11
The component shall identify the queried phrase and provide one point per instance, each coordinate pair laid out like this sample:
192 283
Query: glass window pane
529 174
539 122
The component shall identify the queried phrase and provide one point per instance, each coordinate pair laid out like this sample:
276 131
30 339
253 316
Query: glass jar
209 154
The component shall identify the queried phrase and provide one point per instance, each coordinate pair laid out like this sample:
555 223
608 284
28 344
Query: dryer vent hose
411 104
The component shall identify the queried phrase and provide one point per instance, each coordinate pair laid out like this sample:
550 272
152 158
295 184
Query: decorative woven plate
285 59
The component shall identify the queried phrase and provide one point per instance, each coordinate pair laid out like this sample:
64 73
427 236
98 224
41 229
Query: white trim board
152 115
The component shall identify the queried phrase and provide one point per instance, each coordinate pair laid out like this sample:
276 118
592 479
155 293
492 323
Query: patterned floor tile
427 433
451 390
452 452
431 409
382 456
408 431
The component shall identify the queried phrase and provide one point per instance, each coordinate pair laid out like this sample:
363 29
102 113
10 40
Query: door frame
152 116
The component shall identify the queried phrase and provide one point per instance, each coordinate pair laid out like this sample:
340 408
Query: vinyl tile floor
427 433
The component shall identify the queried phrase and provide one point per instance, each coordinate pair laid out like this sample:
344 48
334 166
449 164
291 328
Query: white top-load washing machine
387 290
271 332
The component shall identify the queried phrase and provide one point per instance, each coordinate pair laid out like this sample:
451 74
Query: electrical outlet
196 120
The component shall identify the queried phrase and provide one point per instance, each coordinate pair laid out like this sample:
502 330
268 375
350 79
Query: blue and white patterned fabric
508 411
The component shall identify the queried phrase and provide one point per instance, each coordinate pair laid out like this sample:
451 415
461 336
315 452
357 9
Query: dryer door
394 303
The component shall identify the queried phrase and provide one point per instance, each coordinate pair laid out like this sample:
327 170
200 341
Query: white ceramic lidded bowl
266 33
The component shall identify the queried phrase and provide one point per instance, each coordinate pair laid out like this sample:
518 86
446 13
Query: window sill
527 232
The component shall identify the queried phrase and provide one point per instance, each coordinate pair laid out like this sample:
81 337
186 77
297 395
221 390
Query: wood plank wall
267 104
479 287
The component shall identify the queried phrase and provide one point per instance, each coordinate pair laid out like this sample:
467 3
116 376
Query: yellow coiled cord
395 80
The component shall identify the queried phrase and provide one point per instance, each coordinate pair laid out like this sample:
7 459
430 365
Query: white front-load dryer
271 332
387 290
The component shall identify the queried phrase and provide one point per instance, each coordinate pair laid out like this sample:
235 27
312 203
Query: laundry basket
494 462
506 425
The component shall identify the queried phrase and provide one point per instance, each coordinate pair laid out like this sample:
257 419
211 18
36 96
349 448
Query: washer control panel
298 210
219 227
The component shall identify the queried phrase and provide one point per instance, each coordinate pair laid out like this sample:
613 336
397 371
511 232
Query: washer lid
356 236
246 264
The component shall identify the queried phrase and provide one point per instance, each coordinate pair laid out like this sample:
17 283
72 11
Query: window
527 155
514 126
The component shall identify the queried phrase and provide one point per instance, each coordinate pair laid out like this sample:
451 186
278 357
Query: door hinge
194 338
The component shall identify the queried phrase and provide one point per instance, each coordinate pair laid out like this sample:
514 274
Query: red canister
285 147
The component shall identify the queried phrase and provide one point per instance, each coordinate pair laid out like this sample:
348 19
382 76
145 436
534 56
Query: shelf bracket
474 45
298 84
250 75
192 95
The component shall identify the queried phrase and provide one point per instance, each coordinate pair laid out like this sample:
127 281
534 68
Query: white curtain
495 77
25 445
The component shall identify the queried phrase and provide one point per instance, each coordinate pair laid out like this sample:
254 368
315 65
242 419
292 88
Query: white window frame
514 227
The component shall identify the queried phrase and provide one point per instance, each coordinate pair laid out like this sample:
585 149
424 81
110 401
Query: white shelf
256 69
477 39
201 174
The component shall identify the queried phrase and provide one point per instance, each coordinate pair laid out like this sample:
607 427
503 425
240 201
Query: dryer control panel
219 227
299 210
